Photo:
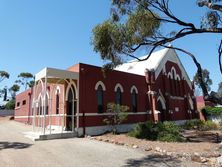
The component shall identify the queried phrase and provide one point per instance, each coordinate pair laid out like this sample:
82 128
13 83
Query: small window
18 104
99 94
24 102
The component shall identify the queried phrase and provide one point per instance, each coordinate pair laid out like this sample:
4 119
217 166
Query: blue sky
55 33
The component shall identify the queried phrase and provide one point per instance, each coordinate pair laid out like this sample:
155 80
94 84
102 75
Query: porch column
34 109
44 105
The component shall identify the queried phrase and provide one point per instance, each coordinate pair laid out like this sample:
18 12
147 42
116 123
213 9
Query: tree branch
210 5
219 55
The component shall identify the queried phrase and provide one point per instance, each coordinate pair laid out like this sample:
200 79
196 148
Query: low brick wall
7 112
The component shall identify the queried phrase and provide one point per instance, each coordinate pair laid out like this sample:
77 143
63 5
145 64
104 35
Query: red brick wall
23 109
90 75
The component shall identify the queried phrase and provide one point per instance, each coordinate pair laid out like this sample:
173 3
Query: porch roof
53 73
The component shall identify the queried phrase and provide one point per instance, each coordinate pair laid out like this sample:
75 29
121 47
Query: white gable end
155 62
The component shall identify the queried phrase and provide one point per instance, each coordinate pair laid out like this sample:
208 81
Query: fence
7 112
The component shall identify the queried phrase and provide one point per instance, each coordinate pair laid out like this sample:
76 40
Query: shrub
209 125
116 115
200 125
215 111
167 131
192 124
144 131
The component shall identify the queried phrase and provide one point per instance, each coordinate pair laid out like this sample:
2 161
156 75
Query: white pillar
77 107
44 105
34 107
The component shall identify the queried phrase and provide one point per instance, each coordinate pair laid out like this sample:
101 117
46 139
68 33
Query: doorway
71 109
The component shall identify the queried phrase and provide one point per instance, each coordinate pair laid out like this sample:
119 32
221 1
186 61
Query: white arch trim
190 102
70 87
100 83
162 102
57 90
178 77
169 75
133 88
118 85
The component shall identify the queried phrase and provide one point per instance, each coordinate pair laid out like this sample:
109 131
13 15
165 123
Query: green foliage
10 105
206 79
201 125
210 125
144 131
193 124
15 88
166 131
215 111
116 115
116 37
4 75
25 79
219 90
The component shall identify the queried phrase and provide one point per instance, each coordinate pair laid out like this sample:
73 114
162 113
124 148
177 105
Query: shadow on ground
201 136
14 145
154 160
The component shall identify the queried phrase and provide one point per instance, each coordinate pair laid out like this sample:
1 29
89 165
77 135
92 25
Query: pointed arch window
47 105
99 94
134 100
118 96
100 88
57 101
40 105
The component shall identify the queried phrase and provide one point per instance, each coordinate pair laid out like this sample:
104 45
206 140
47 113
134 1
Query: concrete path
18 151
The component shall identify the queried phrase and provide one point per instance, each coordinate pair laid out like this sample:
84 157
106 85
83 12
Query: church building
75 100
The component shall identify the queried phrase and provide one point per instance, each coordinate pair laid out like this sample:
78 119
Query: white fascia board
56 73
41 74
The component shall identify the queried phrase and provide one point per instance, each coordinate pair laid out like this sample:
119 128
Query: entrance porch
55 104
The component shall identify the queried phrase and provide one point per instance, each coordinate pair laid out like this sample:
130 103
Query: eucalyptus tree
135 25
25 79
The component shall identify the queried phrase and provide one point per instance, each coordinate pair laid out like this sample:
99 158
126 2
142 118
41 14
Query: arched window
134 100
40 106
99 94
47 105
118 96
57 101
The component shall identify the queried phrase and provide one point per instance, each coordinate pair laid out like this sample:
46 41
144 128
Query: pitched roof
155 62
138 67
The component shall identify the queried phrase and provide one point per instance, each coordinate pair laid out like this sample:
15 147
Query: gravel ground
187 147
18 151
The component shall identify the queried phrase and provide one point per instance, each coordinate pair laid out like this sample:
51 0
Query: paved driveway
16 150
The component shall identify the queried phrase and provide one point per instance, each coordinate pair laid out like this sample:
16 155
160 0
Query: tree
13 90
125 34
25 79
117 114
219 90
4 75
10 105
206 79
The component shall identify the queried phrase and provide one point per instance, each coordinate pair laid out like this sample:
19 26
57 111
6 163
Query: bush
209 125
193 124
200 125
215 111
144 131
167 131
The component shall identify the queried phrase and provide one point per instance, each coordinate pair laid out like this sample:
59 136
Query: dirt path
18 151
